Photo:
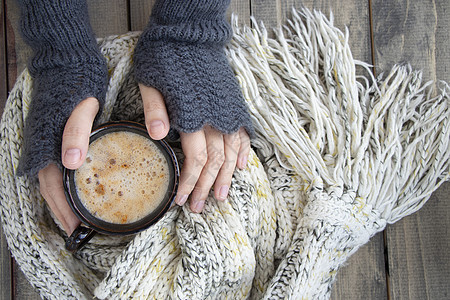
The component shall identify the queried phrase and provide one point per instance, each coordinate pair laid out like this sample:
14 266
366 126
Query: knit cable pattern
338 157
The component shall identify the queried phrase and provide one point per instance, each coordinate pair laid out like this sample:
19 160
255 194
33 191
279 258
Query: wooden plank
417 32
442 63
3 69
5 269
418 246
241 9
423 268
410 32
419 260
5 258
140 12
363 276
108 17
268 11
22 288
17 51
350 13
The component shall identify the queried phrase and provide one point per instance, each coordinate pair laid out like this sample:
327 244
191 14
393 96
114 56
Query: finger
194 148
156 118
244 149
215 160
51 187
232 143
75 140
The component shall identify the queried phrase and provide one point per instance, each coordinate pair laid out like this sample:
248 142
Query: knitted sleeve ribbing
181 53
67 67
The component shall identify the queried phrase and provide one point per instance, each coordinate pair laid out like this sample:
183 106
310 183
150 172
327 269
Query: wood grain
17 51
22 288
241 9
406 32
419 260
5 269
417 33
108 17
268 11
140 13
363 276
3 68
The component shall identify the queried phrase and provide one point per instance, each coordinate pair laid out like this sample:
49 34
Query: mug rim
102 226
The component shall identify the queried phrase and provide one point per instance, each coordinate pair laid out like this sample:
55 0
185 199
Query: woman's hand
210 156
51 186
75 143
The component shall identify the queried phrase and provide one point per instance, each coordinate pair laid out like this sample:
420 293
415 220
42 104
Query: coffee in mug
124 178
127 182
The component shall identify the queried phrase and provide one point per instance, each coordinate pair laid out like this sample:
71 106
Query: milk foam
124 178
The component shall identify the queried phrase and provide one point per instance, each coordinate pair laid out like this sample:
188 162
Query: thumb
75 140
156 118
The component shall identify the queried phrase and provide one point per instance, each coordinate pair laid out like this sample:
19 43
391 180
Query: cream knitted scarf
338 157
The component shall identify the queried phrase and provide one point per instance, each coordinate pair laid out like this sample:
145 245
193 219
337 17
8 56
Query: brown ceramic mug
126 184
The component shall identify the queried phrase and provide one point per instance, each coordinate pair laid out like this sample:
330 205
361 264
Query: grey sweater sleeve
181 53
67 67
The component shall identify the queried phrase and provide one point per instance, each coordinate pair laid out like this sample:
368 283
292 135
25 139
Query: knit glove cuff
55 95
67 67
59 33
181 54
197 84
189 21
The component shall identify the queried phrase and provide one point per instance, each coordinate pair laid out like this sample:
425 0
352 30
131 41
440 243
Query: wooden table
409 260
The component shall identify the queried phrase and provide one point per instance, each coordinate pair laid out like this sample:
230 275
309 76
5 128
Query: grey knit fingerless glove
67 67
181 53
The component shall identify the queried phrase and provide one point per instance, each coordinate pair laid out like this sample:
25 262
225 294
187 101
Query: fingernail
243 162
223 192
156 127
198 206
72 156
180 200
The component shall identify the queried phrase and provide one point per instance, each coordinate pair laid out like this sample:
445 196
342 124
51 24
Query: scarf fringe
385 138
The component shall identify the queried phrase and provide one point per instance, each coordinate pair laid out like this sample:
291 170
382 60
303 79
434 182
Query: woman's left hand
75 143
210 156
